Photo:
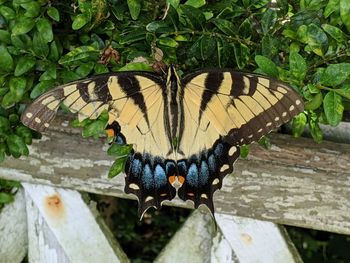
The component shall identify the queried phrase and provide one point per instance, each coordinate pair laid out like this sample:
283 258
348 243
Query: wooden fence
296 182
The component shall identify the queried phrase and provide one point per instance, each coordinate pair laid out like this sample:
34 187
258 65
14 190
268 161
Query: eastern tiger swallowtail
185 131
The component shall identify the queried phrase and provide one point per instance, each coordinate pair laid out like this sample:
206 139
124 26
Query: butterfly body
185 132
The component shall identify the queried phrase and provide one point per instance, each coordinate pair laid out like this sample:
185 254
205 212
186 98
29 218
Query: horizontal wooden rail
296 182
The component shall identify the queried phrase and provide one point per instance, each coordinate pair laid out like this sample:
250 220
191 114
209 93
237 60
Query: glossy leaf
268 20
297 65
41 87
40 46
225 26
267 65
4 124
23 25
80 21
45 29
335 74
16 146
134 8
334 32
7 12
77 54
167 41
195 3
344 91
6 61
315 102
333 108
317 39
24 64
53 13
332 6
344 7
32 8
95 129
298 124
117 167
207 47
25 133
119 150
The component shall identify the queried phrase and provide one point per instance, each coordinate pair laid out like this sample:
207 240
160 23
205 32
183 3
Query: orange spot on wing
181 179
172 179
164 194
110 133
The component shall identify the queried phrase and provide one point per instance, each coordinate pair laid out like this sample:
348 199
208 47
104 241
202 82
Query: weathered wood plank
251 241
62 228
297 182
13 231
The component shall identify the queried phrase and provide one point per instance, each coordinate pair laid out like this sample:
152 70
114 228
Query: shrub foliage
46 43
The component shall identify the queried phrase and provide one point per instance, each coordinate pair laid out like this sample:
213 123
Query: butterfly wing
222 111
134 100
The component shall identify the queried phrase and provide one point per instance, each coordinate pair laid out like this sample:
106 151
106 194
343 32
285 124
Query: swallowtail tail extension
187 131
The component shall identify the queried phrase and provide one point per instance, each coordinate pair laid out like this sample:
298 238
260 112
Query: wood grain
296 182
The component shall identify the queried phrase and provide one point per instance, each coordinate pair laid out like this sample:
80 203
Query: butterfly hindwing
184 132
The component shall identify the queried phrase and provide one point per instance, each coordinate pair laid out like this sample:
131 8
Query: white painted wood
192 242
13 230
253 241
63 228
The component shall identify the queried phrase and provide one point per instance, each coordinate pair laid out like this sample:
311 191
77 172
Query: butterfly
186 133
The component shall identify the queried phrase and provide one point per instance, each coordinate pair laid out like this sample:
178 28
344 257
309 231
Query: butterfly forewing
192 139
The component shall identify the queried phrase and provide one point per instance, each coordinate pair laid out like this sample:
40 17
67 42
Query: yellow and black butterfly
184 131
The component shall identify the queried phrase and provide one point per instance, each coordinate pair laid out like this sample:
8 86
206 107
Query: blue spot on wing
212 163
147 177
160 178
192 175
219 150
204 173
136 167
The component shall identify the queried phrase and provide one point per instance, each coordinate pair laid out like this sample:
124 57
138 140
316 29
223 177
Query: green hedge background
46 43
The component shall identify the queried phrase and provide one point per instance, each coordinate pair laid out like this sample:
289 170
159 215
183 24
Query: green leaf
267 65
335 74
40 46
53 13
333 108
119 150
241 52
317 39
95 129
50 73
225 26
315 130
344 91
6 61
80 21
332 6
7 12
17 87
298 125
4 124
334 32
138 66
77 54
207 47
344 7
244 150
297 66
41 87
134 8
85 69
159 27
268 20
5 198
265 142
117 167
315 103
24 64
21 41
16 146
8 100
167 41
5 37
23 25
194 17
25 133
32 8
45 29
196 3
